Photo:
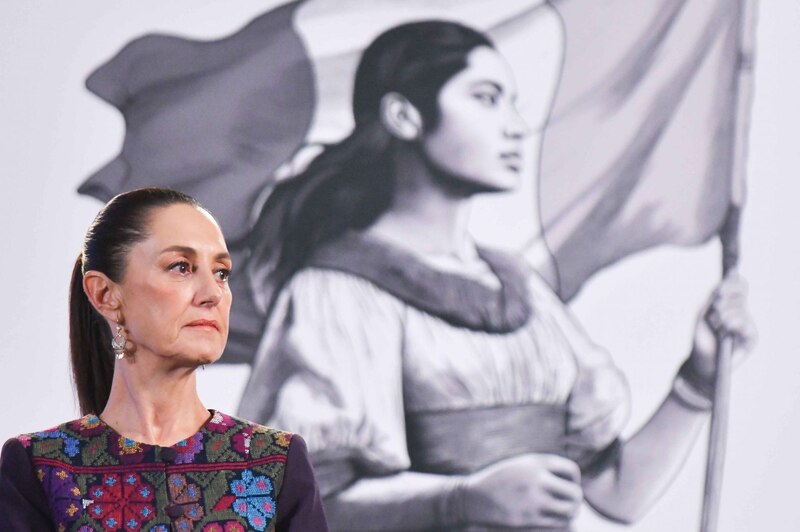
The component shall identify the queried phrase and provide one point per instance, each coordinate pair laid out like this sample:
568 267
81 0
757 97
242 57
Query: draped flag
641 147
633 107
212 119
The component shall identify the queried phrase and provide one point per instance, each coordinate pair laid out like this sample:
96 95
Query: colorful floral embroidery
122 501
90 421
72 446
253 500
180 490
127 446
108 482
259 445
187 449
89 425
187 495
241 442
184 524
229 526
221 423
126 450
283 439
55 432
62 492
67 444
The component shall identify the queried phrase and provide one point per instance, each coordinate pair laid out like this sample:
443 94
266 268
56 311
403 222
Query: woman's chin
505 179
209 358
196 355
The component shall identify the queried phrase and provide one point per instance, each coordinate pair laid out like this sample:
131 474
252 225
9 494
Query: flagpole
729 238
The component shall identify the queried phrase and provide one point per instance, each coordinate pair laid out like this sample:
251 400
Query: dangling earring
118 343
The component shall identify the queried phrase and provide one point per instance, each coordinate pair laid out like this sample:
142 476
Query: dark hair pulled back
119 225
351 183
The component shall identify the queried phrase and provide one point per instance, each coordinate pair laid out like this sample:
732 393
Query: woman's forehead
486 66
184 225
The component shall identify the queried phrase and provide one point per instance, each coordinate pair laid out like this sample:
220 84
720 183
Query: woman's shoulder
261 441
61 444
329 295
327 280
222 422
69 432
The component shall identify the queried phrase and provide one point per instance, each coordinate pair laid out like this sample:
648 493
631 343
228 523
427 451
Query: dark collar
456 299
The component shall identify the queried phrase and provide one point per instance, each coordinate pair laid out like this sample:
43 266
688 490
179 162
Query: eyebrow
493 84
191 251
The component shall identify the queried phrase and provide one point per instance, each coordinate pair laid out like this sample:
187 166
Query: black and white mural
474 241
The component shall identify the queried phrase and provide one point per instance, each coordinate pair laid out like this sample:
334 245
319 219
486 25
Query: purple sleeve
23 504
299 503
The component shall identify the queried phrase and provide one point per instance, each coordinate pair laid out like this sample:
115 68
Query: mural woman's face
479 137
175 296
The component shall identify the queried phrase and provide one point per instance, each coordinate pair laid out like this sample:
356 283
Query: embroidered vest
225 478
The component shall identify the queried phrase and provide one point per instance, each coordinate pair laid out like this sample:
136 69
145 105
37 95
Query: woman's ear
103 294
400 116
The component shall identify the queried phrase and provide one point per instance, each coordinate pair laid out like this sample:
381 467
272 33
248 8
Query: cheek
461 151
156 312
466 136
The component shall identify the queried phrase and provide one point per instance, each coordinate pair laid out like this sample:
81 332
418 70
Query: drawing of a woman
438 383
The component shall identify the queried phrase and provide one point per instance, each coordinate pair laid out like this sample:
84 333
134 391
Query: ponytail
90 351
348 186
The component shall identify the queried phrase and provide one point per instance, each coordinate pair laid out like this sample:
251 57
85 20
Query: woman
443 385
149 305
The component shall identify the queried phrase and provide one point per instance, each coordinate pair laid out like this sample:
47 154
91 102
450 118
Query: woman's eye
223 275
487 98
181 267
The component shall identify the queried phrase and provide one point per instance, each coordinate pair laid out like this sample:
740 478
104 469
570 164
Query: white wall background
53 134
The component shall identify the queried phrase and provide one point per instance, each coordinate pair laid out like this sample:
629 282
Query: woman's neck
150 405
428 214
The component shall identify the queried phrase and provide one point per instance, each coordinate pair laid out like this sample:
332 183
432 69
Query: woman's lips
512 160
204 323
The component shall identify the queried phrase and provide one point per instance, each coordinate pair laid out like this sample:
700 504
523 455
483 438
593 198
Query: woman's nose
516 126
209 291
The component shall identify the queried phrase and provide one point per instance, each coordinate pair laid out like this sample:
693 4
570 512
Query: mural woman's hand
540 490
725 313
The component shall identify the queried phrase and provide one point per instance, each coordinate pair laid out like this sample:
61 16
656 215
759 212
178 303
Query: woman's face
175 299
479 136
